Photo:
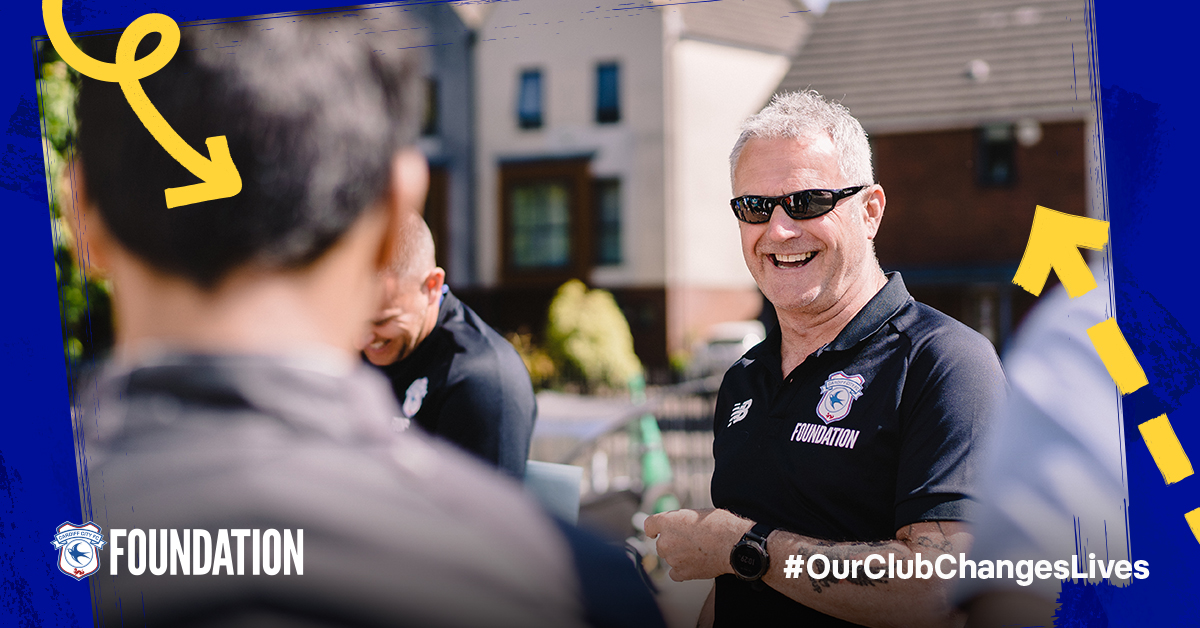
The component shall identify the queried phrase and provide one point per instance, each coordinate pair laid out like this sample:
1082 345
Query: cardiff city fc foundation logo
414 396
837 393
78 549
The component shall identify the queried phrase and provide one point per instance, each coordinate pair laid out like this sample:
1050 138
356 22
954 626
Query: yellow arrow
219 175
1054 243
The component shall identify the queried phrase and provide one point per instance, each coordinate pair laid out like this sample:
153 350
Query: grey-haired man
848 432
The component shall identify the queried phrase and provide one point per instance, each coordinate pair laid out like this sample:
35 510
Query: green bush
588 338
84 302
541 367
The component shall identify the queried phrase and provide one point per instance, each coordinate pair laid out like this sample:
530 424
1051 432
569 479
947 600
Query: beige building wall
566 39
714 88
687 82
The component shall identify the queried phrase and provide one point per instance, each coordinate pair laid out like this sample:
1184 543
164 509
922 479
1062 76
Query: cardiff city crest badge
413 397
78 549
837 393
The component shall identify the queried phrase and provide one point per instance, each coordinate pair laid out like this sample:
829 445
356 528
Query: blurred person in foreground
235 399
1053 481
453 375
848 431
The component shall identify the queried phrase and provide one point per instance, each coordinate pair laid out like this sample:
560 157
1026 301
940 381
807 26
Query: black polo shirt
467 384
871 433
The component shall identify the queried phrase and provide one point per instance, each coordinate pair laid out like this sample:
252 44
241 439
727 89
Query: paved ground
565 421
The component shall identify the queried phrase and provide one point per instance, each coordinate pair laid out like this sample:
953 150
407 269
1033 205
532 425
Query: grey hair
414 256
803 114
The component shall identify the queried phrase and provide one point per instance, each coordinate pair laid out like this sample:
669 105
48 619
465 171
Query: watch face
748 561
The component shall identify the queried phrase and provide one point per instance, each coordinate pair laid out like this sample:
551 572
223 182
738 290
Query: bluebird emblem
77 548
837 394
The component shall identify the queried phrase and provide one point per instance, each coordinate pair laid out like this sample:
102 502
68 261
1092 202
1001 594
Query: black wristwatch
749 557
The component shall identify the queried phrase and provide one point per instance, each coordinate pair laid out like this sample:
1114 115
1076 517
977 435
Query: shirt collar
447 306
874 315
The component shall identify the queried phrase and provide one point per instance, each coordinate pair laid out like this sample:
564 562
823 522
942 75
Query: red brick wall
692 310
937 215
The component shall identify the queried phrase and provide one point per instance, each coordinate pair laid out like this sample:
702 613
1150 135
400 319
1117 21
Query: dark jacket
476 391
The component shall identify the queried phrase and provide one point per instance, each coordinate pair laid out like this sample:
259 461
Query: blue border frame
1151 124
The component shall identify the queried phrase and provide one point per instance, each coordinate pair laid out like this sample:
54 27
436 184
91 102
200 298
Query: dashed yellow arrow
219 175
1166 449
1054 243
1193 519
1118 358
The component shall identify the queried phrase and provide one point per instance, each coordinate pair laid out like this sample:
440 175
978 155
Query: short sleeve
953 388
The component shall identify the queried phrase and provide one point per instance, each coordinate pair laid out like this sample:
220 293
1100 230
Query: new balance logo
740 411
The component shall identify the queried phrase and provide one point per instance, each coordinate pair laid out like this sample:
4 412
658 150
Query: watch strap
759 534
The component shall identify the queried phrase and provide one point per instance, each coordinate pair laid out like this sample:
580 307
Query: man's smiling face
805 266
401 324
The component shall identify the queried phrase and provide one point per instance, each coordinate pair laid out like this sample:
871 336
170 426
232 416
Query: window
529 100
429 124
548 228
541 225
608 221
608 94
995 165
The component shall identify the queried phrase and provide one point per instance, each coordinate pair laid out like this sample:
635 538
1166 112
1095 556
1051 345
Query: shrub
588 338
539 364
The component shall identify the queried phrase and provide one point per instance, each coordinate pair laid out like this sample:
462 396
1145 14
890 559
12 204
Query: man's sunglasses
800 205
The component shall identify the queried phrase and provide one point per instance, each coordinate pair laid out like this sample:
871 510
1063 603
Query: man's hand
696 543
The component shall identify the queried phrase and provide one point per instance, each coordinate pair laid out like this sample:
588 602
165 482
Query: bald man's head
414 255
412 293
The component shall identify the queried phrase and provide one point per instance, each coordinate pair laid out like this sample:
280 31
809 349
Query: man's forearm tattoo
940 541
819 584
851 553
835 551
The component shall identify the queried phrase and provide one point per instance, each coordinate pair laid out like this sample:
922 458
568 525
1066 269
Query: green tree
85 306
